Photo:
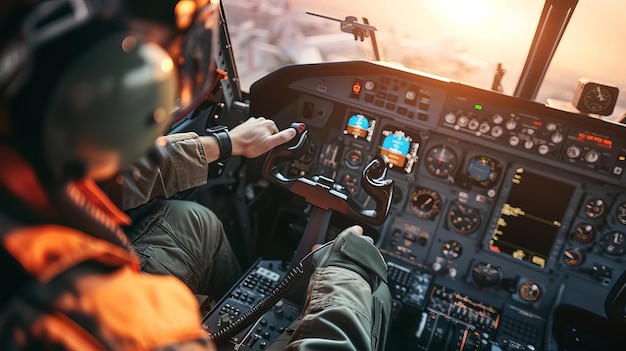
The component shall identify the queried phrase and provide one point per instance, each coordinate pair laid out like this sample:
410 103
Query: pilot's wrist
237 146
222 142
225 145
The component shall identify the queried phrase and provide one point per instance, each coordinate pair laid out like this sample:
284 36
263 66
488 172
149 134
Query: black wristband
226 146
223 140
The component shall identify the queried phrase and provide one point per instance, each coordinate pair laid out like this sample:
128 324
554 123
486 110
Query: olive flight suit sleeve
184 167
337 314
348 303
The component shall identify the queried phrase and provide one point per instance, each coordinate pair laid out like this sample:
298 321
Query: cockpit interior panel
505 211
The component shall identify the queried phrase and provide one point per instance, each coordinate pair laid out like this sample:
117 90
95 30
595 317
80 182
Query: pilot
86 89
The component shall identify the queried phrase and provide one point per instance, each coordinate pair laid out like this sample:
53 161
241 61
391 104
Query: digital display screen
598 141
400 148
531 217
360 127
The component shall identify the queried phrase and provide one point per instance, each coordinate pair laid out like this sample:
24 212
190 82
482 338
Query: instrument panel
505 201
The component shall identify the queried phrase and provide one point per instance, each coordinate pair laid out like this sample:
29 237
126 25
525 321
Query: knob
484 127
528 144
557 137
573 256
278 307
497 118
511 124
462 121
450 118
543 149
496 131
473 124
452 273
573 151
592 156
514 140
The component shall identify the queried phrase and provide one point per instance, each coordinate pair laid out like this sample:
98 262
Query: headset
89 85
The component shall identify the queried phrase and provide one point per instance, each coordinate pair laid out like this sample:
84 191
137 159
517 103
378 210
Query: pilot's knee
195 216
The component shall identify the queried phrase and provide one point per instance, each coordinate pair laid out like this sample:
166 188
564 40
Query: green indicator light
478 106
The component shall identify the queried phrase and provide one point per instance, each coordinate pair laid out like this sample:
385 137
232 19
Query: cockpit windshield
484 43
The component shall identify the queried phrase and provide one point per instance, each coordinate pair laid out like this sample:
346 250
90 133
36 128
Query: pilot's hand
356 252
257 136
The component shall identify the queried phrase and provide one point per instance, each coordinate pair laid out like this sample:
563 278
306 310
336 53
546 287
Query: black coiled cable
259 309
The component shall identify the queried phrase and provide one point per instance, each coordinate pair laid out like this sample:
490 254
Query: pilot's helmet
87 86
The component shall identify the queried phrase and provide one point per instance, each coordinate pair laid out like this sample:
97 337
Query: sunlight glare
466 11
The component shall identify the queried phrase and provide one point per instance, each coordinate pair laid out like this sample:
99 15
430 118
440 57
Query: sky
466 39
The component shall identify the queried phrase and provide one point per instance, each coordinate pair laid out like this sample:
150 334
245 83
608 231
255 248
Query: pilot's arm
187 159
341 311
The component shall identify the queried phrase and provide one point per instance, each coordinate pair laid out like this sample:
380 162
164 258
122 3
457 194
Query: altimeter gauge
592 97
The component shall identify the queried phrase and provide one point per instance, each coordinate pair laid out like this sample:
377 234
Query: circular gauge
483 170
463 219
350 182
486 275
354 158
594 208
621 213
584 233
573 256
425 203
597 98
440 161
452 249
613 243
530 291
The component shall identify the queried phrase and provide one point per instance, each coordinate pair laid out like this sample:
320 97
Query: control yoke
323 192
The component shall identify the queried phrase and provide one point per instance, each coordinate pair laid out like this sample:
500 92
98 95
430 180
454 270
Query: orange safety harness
63 288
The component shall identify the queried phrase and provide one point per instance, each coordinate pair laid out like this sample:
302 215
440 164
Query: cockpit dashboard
505 212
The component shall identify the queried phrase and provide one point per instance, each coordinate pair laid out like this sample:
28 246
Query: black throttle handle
291 150
298 141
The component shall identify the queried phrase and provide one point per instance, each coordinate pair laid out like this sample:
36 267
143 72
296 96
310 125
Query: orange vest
85 293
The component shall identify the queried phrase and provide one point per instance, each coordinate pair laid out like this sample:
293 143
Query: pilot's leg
187 240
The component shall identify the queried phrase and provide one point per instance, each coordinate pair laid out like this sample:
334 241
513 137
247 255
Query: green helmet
87 84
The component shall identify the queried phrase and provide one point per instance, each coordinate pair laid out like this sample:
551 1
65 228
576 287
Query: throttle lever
297 141
293 149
